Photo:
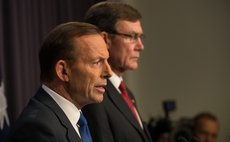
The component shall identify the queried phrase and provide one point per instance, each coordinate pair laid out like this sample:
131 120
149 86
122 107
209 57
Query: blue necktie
84 130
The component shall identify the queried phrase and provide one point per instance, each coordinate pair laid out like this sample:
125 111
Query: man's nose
107 70
140 45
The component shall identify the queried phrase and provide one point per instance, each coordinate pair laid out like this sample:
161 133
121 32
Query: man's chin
134 67
99 98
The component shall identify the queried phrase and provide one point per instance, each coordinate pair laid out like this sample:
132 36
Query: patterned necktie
84 130
128 101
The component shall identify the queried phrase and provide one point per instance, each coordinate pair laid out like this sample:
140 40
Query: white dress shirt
116 81
70 110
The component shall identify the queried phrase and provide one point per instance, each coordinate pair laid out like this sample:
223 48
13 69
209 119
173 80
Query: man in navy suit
74 68
116 119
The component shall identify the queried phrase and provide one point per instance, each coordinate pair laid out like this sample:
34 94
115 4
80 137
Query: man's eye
98 62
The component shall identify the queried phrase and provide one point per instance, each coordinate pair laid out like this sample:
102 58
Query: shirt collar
71 111
116 81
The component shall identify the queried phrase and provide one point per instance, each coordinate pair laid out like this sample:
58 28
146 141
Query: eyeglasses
132 37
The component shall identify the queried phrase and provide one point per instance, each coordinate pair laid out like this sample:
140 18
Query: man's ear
62 70
107 39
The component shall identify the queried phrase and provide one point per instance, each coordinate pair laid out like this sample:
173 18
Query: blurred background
186 58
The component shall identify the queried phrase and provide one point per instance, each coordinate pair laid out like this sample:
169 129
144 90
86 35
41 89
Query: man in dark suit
74 68
117 119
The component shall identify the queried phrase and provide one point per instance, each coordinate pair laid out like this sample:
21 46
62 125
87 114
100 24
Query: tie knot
82 121
122 86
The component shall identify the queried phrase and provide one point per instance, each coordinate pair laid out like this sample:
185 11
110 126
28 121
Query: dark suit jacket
43 121
112 120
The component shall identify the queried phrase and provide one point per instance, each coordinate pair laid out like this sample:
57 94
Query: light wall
186 59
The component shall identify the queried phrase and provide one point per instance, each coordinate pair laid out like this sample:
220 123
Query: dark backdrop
23 25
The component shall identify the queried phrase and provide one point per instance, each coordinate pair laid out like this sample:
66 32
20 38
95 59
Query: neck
61 90
118 72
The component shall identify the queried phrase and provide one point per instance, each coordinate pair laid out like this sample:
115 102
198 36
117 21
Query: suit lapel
118 101
45 98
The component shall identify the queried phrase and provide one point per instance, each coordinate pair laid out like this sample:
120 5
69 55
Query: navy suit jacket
43 121
112 120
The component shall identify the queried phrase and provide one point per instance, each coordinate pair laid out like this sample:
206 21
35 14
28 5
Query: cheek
81 80
92 90
128 51
93 77
124 53
118 49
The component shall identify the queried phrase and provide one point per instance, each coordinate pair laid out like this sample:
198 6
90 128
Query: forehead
91 46
209 125
128 26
